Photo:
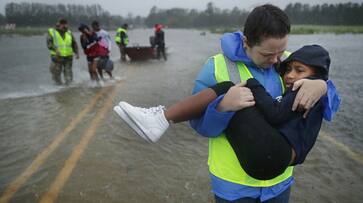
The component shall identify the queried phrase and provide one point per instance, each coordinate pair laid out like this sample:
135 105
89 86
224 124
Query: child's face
296 71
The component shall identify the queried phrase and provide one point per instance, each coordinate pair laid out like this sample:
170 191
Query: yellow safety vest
222 160
118 36
63 45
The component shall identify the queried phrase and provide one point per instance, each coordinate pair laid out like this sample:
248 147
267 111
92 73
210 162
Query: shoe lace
153 110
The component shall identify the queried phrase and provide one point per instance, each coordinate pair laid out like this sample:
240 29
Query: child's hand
309 93
237 98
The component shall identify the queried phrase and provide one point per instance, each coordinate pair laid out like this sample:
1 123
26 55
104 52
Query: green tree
326 14
38 14
2 19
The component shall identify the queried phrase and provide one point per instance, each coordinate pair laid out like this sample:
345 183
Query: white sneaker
151 121
131 123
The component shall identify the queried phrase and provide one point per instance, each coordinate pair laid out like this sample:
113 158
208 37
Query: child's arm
331 100
194 106
190 107
274 111
83 40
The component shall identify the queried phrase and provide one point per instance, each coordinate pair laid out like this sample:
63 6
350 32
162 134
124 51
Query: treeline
2 19
39 14
325 14
185 18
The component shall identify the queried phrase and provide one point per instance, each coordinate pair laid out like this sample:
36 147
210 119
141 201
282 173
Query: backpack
105 63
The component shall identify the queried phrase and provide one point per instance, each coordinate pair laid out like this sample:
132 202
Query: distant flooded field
295 29
320 29
310 29
24 31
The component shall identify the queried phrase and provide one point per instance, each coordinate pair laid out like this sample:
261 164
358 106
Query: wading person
94 49
122 40
261 45
104 64
62 46
159 41
104 36
257 49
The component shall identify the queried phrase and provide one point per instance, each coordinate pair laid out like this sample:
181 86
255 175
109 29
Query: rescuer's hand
237 98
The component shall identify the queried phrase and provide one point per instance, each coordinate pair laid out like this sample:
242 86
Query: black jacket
262 136
159 38
301 133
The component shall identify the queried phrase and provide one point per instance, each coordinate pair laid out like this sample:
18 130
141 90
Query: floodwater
65 144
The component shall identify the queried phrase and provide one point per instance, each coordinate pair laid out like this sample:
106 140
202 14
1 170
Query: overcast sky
142 7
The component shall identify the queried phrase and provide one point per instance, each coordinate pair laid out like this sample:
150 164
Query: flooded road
66 144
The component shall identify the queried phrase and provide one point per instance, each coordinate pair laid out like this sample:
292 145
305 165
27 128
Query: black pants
123 52
262 151
160 49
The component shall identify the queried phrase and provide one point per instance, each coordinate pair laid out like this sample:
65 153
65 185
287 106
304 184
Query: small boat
139 53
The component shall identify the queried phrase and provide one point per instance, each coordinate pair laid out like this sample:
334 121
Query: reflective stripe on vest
222 160
286 54
63 45
118 36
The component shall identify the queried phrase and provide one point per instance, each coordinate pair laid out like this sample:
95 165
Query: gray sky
142 7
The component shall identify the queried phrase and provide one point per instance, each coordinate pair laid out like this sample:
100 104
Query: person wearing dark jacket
160 41
94 50
267 137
